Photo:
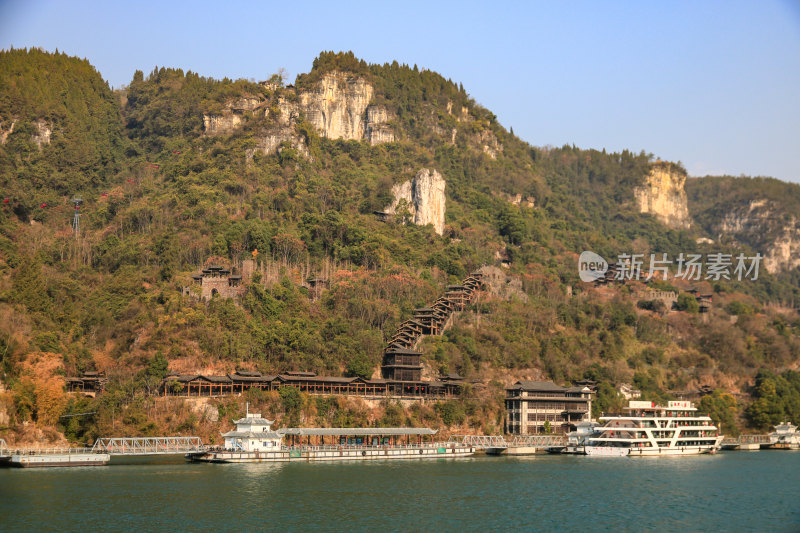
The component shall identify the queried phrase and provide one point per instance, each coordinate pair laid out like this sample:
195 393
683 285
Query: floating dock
65 457
746 443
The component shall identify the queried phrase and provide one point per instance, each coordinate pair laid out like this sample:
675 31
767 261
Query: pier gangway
746 442
148 445
480 441
539 441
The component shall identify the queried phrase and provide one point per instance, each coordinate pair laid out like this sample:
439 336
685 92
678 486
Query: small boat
785 437
254 441
577 440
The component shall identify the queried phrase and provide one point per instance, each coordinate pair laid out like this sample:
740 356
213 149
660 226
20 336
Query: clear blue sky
713 84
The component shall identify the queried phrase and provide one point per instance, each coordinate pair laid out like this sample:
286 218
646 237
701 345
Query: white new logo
591 266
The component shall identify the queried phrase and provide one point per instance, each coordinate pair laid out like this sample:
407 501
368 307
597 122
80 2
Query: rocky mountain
760 213
354 196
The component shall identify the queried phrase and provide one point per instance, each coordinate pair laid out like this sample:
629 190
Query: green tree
360 366
687 302
722 408
292 401
157 367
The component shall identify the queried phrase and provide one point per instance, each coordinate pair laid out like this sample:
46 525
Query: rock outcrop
423 197
270 142
663 195
225 123
232 116
43 133
498 283
4 133
378 130
337 104
759 225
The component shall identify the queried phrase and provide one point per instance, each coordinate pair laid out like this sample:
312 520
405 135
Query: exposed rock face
231 117
337 104
664 196
423 197
378 129
225 123
43 135
270 142
498 283
338 107
529 201
777 238
487 142
4 133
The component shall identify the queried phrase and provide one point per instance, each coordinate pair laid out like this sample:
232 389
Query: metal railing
480 441
49 451
148 445
539 440
748 439
3 448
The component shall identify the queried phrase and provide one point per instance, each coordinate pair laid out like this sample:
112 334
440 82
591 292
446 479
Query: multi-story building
532 405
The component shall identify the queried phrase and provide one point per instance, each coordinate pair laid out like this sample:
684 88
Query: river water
733 491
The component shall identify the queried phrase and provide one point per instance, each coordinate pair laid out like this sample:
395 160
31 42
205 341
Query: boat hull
677 450
333 454
603 451
59 460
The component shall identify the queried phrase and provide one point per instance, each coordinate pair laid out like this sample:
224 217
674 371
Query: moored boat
52 458
254 441
785 437
577 440
647 429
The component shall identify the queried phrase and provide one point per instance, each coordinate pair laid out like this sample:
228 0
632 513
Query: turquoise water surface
733 491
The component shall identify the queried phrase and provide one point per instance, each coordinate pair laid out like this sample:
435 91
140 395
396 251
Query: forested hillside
178 171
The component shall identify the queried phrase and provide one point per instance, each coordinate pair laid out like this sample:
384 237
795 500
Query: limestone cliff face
336 106
483 140
232 116
4 133
270 142
664 196
498 283
224 123
423 197
43 133
378 129
759 225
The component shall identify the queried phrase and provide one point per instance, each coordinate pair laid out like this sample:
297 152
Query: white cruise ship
647 429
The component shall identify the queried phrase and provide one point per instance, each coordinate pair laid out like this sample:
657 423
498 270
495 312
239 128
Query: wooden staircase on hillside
401 361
